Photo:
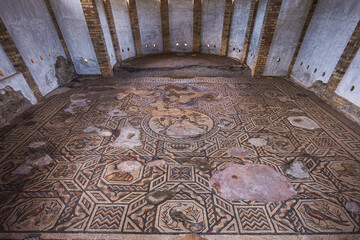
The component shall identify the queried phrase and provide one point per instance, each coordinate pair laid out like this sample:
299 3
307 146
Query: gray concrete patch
257 142
129 138
303 122
298 170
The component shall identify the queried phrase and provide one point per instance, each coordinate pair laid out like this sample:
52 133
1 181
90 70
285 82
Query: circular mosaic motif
188 126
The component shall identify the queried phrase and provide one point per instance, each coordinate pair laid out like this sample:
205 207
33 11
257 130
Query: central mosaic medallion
189 125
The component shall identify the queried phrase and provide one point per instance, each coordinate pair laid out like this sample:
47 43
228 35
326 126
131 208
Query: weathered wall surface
329 31
123 28
5 65
349 87
106 31
288 29
72 23
13 79
150 25
254 42
18 82
238 27
34 34
212 20
181 18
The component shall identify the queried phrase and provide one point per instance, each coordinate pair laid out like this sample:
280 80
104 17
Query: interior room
180 119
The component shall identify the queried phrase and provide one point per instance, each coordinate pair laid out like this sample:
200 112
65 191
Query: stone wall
70 17
106 31
256 32
35 37
288 29
123 28
150 26
12 103
329 31
13 78
212 20
238 28
181 25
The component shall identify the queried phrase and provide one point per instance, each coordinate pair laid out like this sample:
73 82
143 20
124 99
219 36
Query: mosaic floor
136 156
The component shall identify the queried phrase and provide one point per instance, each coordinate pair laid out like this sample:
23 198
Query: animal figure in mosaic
189 219
324 216
179 217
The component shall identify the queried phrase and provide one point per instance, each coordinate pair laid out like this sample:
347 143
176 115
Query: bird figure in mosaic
321 216
178 216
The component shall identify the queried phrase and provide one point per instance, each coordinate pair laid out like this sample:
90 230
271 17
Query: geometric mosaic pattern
80 191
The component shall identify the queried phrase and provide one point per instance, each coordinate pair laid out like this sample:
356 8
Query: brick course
52 15
266 36
197 25
135 27
97 36
114 38
164 10
345 60
302 36
249 30
16 59
229 9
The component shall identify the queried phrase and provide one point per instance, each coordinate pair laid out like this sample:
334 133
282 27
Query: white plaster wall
255 37
181 19
5 65
123 28
106 31
238 28
13 79
70 17
212 21
150 25
288 29
18 83
351 79
329 31
34 34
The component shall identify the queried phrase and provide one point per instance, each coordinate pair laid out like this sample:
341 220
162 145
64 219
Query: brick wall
16 59
135 27
63 44
266 36
249 29
97 36
164 10
345 59
197 25
114 38
302 36
229 9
